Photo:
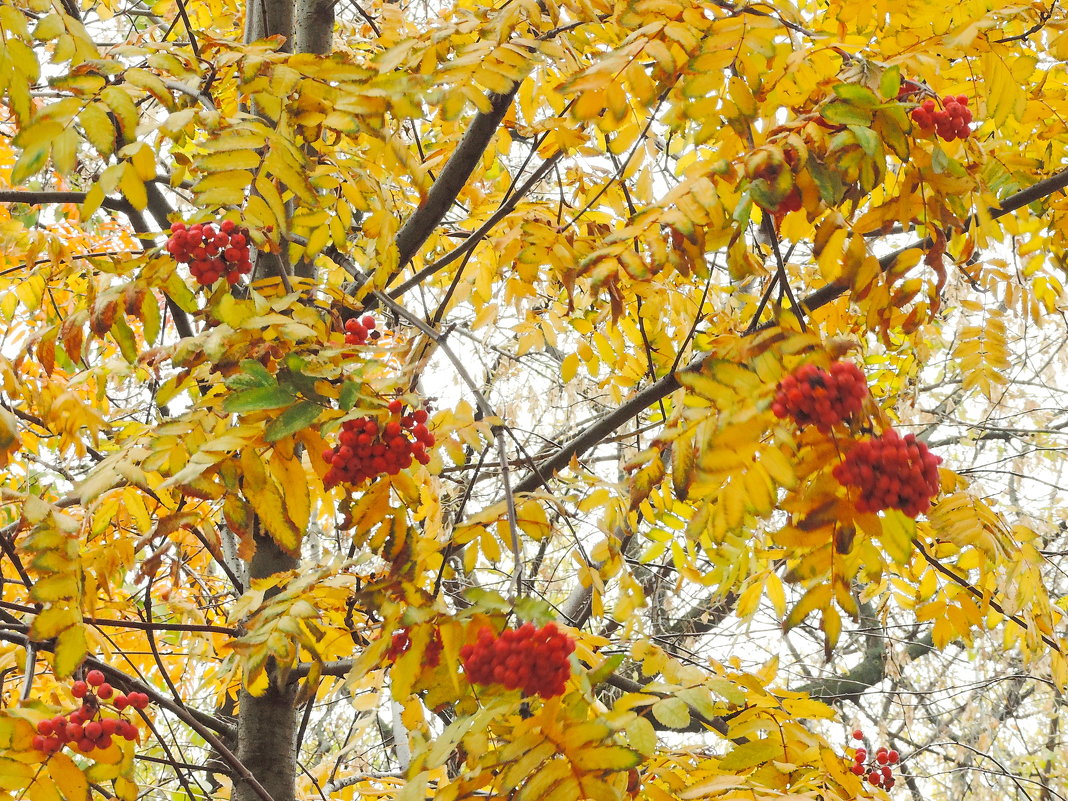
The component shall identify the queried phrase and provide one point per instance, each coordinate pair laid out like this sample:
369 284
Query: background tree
610 254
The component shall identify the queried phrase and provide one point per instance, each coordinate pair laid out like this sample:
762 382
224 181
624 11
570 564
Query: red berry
858 734
94 678
892 757
858 769
875 778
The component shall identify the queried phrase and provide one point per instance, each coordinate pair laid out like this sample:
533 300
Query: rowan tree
532 400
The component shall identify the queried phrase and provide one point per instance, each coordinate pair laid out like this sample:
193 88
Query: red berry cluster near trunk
402 641
529 659
951 122
86 728
879 770
359 330
812 396
367 448
212 252
892 472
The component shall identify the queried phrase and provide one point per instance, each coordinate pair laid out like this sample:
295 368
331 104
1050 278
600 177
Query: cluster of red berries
529 659
365 449
359 330
810 395
402 641
211 252
86 728
892 472
950 123
880 771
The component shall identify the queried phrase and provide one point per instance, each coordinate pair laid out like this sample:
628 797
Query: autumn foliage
542 401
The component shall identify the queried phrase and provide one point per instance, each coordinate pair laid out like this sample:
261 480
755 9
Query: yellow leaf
71 648
133 187
817 597
9 436
752 753
266 500
50 622
125 790
44 790
293 480
15 775
68 777
607 757
672 712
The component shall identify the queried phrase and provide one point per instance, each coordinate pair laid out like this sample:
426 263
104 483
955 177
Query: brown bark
267 724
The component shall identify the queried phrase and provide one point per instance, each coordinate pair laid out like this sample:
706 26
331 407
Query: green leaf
178 291
828 181
37 144
605 669
257 400
857 95
939 160
252 375
487 599
672 712
890 82
751 754
843 113
867 138
297 417
124 336
350 390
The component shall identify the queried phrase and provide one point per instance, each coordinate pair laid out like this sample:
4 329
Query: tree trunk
267 724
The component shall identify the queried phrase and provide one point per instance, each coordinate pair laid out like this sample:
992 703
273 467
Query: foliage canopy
595 237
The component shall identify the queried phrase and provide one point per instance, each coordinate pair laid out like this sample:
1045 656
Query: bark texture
267 724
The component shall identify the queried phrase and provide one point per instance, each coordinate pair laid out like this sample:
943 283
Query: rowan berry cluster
529 659
86 728
892 472
811 396
950 123
402 641
359 330
879 769
212 252
366 448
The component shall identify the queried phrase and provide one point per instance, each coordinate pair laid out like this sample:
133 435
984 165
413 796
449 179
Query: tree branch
453 176
31 198
656 391
870 671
